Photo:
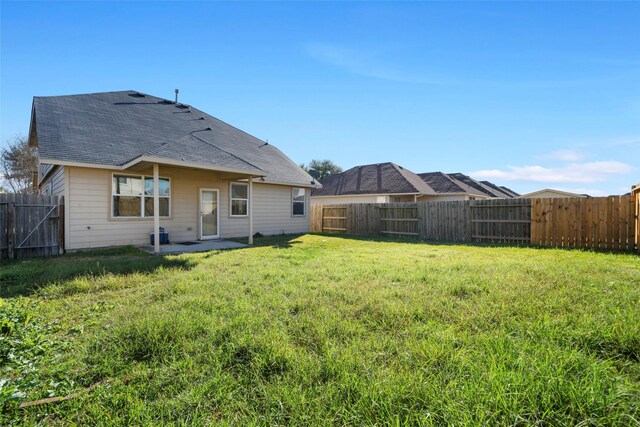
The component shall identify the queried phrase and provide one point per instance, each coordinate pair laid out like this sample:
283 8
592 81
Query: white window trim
231 199
142 196
304 202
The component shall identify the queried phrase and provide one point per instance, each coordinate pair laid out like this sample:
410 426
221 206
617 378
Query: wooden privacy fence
31 225
601 222
457 221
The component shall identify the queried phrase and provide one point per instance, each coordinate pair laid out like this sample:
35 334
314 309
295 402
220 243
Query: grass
320 330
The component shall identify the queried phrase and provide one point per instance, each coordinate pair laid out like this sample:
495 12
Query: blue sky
527 95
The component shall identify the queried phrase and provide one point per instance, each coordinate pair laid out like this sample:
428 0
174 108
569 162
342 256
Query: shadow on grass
278 241
414 240
24 277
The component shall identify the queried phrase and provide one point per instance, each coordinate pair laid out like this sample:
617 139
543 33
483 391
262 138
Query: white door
209 218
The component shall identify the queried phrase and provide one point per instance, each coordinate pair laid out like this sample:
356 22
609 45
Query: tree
19 166
320 169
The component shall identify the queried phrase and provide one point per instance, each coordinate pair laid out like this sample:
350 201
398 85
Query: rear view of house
127 163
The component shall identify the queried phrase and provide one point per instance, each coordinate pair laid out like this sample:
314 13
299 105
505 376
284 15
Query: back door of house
209 215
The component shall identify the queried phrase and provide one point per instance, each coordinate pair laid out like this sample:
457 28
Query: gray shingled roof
499 190
446 184
114 128
509 191
483 189
382 178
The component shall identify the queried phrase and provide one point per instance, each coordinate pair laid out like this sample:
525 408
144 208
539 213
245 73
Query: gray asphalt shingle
113 128
382 178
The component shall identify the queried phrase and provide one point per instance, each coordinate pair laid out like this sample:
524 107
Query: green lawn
321 330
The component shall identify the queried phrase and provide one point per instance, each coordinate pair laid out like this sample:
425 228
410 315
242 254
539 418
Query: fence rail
31 225
600 222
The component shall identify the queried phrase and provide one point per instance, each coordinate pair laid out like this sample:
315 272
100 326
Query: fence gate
31 225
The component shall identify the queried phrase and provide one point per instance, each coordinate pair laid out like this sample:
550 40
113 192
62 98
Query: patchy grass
319 330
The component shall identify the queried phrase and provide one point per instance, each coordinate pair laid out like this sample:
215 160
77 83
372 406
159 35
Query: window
133 196
297 199
239 199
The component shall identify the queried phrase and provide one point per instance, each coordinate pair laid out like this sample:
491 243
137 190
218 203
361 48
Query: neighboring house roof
479 186
500 190
446 184
381 178
558 193
509 191
120 129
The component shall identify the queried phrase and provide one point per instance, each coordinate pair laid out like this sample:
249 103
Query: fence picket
31 225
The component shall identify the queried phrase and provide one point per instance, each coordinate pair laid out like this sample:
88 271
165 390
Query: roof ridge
420 181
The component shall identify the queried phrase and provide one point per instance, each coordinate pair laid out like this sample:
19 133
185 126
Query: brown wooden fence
635 197
501 220
456 221
30 225
601 222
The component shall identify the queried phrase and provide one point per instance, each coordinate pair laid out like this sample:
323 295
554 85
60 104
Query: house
485 187
375 183
449 188
549 193
389 182
128 163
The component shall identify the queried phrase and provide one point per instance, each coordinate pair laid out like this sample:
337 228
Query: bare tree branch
18 166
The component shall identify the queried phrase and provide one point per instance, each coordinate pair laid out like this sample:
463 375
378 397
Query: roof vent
182 106
137 95
208 128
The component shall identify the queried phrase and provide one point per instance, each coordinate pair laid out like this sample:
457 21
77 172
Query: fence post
61 225
635 214
11 236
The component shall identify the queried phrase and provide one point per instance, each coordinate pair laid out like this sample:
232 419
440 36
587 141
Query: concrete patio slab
195 246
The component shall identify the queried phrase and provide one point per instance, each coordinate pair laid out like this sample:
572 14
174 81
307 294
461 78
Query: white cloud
624 142
570 173
354 61
564 155
370 63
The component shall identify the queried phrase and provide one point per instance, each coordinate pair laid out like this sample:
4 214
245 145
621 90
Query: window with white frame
132 196
297 200
239 195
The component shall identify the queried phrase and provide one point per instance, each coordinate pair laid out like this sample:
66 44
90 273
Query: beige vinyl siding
548 194
56 178
43 170
402 199
273 211
449 198
90 223
338 200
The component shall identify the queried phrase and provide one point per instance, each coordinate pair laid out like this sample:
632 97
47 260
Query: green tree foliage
320 169
18 166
